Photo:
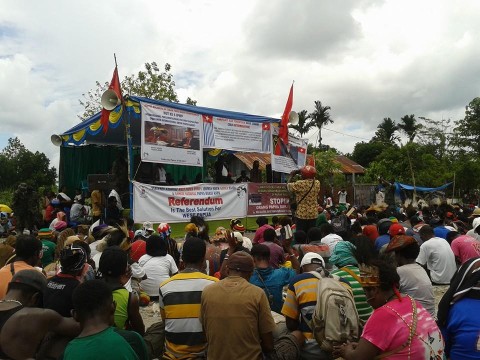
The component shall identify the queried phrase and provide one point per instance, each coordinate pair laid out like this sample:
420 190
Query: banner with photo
179 203
265 199
171 136
237 135
293 155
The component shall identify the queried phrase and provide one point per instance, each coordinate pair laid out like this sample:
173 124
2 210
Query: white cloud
366 59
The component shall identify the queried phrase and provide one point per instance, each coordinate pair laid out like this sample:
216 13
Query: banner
171 136
293 154
264 199
179 203
221 133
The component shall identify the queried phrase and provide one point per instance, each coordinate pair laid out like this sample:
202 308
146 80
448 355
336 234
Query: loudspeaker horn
293 118
110 100
56 140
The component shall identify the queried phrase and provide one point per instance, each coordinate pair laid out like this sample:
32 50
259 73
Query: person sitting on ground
116 272
414 280
347 269
329 237
436 256
312 243
27 256
458 315
157 264
24 325
300 303
180 304
383 226
165 230
78 212
60 216
47 238
94 309
59 289
236 225
269 279
464 247
243 330
235 243
277 254
399 327
263 225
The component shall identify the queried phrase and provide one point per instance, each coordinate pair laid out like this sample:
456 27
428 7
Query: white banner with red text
179 203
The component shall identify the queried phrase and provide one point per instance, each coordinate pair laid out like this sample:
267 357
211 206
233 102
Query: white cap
238 236
475 223
147 226
312 258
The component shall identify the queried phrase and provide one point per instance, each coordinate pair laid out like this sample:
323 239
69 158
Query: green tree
466 134
435 136
320 117
386 132
326 165
304 123
151 83
366 152
21 165
409 126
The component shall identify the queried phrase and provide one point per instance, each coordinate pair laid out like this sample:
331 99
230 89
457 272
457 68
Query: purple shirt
258 238
277 255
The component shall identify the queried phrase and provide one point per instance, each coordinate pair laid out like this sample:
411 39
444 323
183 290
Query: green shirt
104 345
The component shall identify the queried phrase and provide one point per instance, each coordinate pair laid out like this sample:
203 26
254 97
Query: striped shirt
179 302
363 307
301 300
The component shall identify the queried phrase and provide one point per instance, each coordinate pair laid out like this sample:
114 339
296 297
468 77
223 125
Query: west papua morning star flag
266 137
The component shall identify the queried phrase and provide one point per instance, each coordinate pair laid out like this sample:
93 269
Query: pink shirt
465 247
258 238
387 329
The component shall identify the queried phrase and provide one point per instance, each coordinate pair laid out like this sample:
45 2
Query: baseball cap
312 258
147 226
72 258
396 229
238 237
241 261
31 277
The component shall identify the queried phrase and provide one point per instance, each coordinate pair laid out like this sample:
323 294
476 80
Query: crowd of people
74 289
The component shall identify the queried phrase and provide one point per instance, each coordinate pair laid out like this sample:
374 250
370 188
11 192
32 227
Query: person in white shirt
414 280
342 197
437 256
115 194
329 237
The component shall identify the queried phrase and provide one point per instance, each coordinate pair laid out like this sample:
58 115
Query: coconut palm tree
320 117
409 126
304 123
386 131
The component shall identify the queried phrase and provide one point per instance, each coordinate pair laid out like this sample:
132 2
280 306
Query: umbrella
5 208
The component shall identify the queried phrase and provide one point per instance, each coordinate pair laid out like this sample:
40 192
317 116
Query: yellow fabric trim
79 135
115 115
96 125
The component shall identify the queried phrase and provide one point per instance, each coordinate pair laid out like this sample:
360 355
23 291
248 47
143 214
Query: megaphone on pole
56 140
293 118
110 100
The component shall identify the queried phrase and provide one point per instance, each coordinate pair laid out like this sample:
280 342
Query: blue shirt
381 240
275 280
463 330
441 232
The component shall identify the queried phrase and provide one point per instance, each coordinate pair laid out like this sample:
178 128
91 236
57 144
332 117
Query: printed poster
293 155
268 199
171 136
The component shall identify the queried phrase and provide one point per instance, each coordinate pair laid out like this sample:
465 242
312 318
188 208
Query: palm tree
409 126
320 117
304 125
386 131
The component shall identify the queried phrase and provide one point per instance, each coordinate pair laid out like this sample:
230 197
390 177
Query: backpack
335 318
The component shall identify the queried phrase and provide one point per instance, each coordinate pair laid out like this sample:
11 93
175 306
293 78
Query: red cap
308 172
396 229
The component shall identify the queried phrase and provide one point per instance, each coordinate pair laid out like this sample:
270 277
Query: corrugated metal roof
349 166
249 158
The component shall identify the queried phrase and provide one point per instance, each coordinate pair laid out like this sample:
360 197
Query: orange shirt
6 275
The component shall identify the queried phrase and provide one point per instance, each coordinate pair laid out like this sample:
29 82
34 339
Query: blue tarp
399 186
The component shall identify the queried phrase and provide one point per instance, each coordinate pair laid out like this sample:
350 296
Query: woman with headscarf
458 314
399 328
342 257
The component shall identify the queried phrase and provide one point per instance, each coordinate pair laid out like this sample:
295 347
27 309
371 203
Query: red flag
114 86
283 131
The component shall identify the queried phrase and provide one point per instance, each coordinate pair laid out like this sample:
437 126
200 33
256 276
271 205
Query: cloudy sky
367 59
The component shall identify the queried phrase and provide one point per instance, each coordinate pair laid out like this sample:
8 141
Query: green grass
178 229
